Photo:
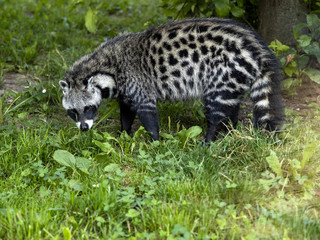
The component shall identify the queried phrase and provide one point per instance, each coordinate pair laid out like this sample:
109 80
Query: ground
16 82
308 92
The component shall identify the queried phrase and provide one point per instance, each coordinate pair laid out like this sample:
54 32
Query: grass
59 183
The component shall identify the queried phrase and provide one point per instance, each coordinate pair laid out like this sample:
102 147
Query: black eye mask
73 114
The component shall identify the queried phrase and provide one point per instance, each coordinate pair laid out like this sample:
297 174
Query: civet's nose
84 126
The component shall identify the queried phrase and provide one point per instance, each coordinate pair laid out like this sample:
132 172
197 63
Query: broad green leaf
166 135
313 74
236 11
313 21
283 48
22 115
97 136
274 163
273 44
136 137
100 219
76 185
104 146
291 68
304 40
302 61
66 233
182 134
313 49
44 192
132 213
65 158
112 167
290 82
91 20
189 133
194 131
26 172
222 7
86 153
308 152
181 232
107 136
278 46
283 61
138 133
102 157
230 185
222 222
186 134
127 199
83 164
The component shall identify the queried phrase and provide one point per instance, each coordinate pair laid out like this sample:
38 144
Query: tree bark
277 19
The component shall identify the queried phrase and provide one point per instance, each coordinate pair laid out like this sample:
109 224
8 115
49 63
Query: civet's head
81 101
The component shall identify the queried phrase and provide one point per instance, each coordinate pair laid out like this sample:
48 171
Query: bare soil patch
16 82
307 93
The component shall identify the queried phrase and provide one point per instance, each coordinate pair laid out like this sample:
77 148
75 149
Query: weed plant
59 183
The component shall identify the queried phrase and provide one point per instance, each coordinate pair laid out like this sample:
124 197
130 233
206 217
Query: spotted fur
213 59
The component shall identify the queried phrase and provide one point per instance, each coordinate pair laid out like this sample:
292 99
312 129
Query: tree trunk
277 19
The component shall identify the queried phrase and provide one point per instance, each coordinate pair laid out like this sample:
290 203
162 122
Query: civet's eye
73 114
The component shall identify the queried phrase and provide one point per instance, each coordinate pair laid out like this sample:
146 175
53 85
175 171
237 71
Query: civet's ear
88 84
64 86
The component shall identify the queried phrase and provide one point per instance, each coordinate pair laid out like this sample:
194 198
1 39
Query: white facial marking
89 122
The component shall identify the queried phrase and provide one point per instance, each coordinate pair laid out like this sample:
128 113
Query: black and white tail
268 110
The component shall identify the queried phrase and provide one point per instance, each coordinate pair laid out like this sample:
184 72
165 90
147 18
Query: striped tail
268 111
